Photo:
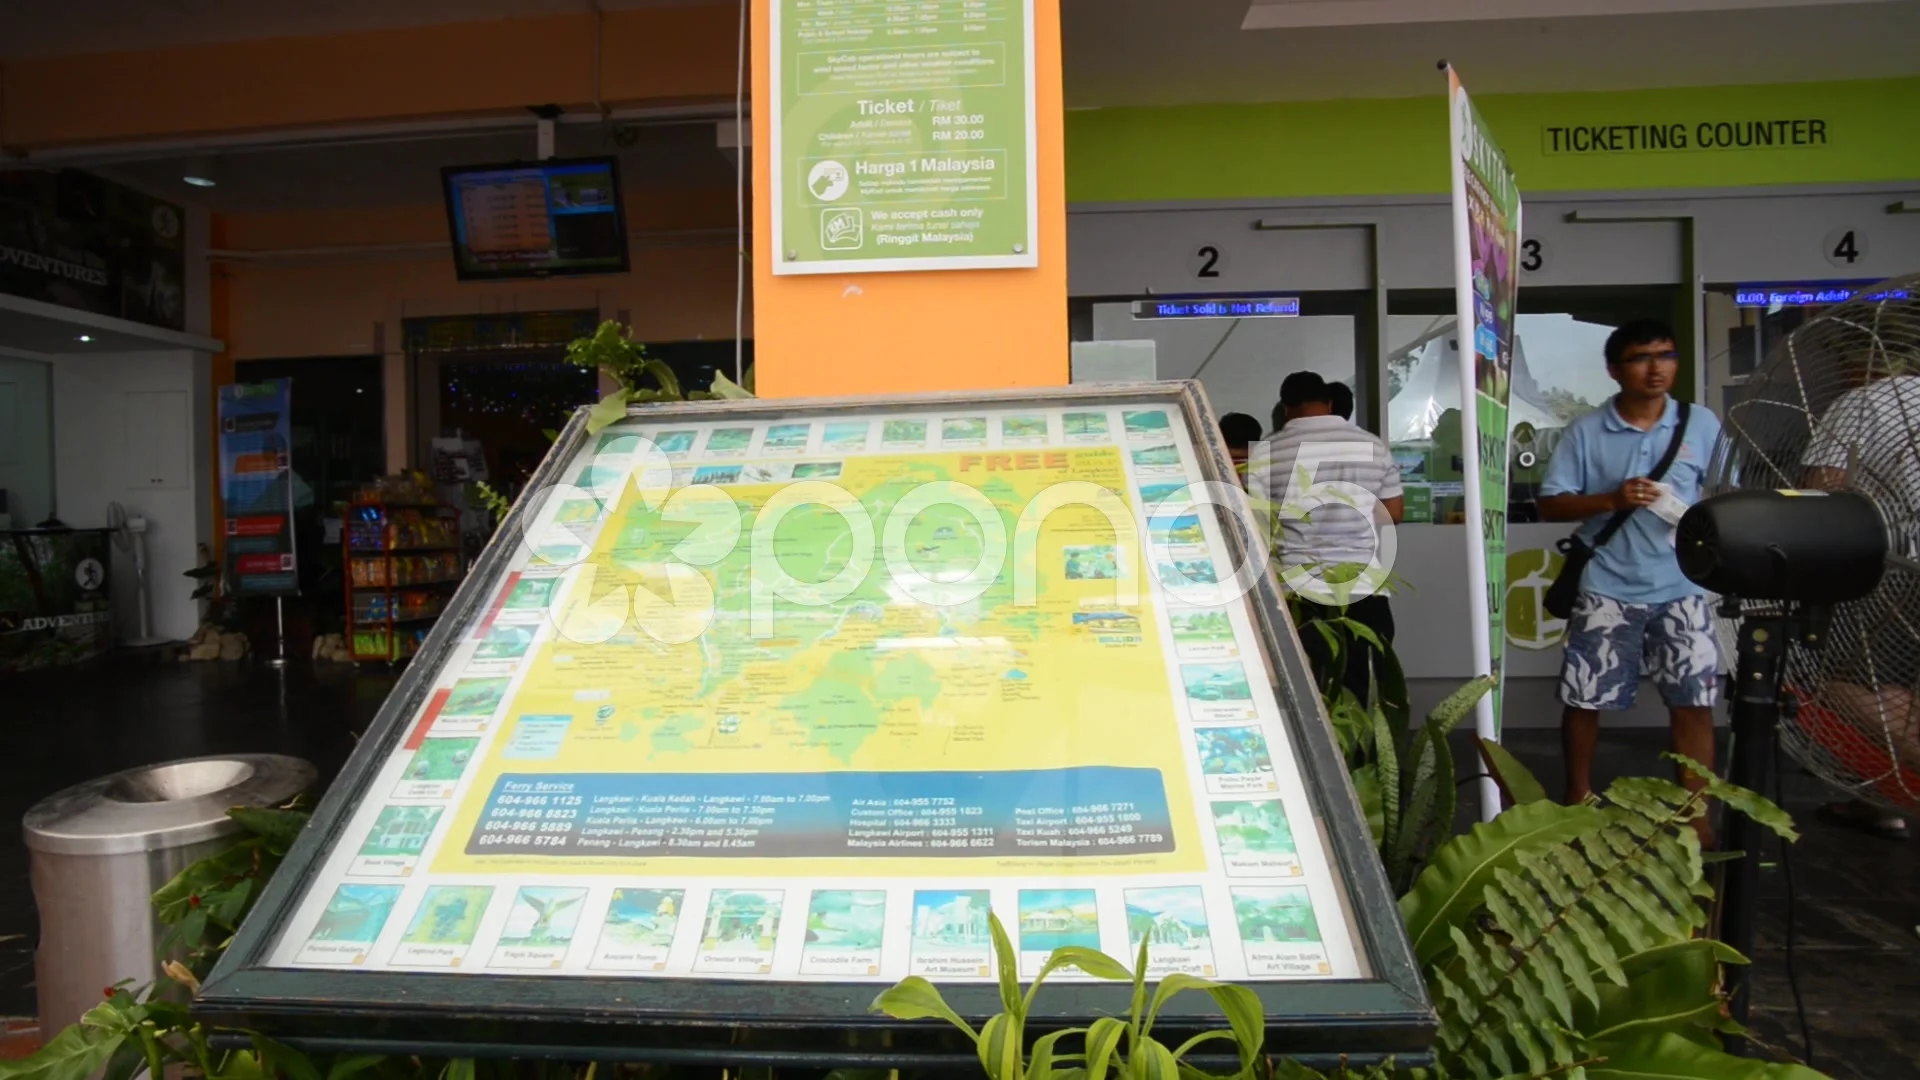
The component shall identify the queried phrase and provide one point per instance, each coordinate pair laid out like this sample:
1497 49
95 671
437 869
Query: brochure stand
755 708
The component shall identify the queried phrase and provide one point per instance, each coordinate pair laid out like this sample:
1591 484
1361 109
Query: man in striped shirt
1330 493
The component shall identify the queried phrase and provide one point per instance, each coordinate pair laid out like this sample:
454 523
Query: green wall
1396 146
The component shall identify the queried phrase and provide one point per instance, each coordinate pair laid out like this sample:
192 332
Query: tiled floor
1858 898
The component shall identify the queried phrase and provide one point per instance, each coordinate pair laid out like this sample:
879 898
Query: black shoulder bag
1565 589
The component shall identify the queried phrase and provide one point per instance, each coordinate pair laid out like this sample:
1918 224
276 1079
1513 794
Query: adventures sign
76 240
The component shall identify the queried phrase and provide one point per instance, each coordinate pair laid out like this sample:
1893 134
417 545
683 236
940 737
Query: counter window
1559 373
1240 361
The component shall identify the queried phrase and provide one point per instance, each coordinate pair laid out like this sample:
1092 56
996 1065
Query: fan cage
1836 405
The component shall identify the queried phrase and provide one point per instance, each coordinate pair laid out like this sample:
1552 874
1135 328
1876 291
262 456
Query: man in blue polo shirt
1636 609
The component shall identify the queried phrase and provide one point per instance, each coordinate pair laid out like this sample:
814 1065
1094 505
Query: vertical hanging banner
903 136
256 487
1486 266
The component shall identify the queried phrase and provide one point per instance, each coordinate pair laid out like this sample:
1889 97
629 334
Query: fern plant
1403 775
1560 940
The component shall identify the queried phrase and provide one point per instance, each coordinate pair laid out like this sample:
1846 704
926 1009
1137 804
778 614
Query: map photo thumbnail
1275 915
531 594
904 432
964 429
787 437
543 915
846 919
450 915
674 442
1175 915
1023 427
1140 424
441 759
644 917
1056 918
1216 682
475 698
1202 627
846 436
401 830
356 913
1258 828
504 643
730 439
1085 424
1233 751
948 919
1092 562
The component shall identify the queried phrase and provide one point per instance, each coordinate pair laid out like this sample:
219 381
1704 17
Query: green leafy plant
639 377
1123 1045
217 606
1561 940
1403 775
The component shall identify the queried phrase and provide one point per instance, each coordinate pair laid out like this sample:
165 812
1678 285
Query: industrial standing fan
1812 535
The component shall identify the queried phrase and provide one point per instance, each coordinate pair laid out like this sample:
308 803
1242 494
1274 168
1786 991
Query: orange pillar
888 332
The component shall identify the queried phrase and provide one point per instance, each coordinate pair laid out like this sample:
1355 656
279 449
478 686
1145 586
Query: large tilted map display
752 708
988 707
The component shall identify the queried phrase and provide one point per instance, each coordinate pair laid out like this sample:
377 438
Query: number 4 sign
1844 247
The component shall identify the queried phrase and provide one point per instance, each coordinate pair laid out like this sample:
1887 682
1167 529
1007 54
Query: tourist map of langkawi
807 698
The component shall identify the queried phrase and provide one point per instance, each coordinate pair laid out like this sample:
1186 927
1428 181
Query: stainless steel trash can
100 849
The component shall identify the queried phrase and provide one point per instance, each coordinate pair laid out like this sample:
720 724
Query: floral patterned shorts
1610 642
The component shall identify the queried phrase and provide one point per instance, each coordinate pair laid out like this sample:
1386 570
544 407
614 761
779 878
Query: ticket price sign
785 699
903 135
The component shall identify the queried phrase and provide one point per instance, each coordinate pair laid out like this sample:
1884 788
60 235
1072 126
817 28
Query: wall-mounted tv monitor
534 219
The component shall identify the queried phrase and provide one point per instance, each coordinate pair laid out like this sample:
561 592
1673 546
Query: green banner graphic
1486 207
903 135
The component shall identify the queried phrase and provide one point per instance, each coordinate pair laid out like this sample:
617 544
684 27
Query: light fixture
84 338
1629 213
200 171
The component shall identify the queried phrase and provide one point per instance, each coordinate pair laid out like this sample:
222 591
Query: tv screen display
536 219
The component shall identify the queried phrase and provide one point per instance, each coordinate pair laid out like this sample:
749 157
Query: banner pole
279 633
1486 233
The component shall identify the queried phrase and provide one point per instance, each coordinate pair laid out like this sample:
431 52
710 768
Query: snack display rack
403 559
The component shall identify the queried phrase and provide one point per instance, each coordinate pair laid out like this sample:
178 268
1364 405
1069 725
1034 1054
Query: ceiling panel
1282 14
1129 53
66 27
407 171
